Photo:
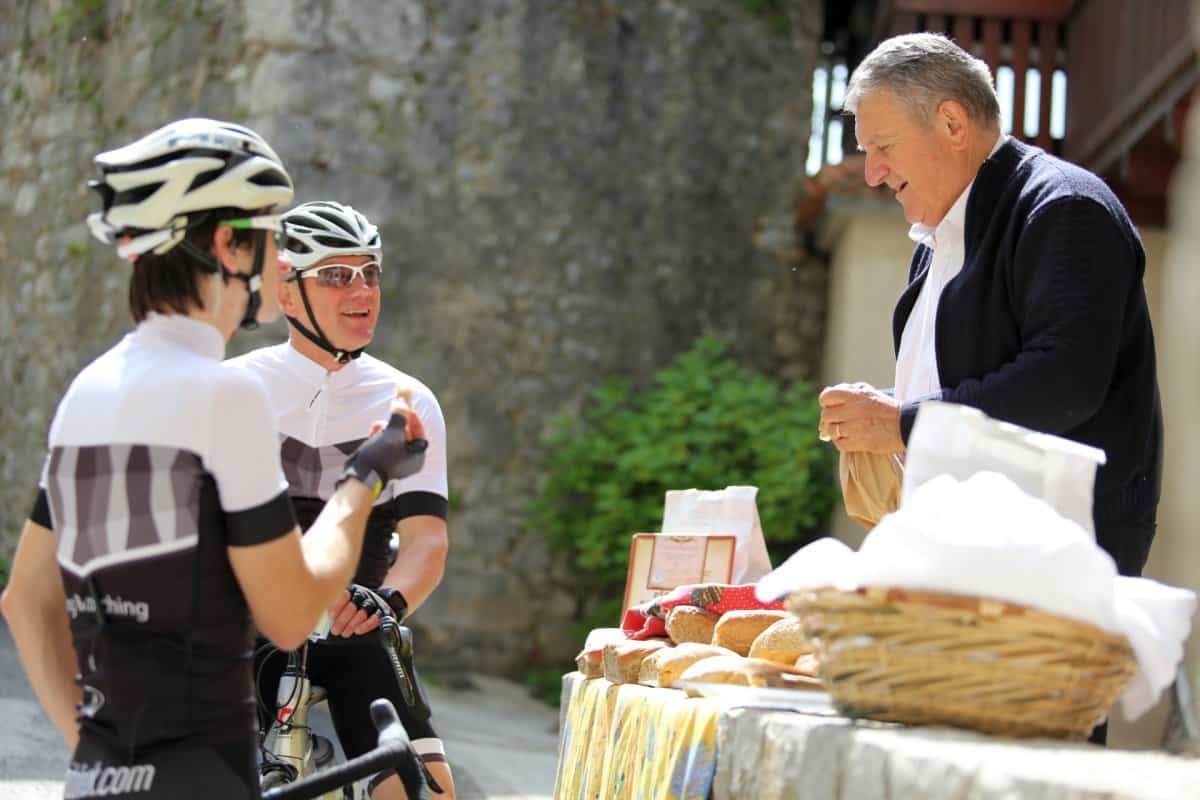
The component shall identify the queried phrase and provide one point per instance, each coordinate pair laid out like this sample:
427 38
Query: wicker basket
934 659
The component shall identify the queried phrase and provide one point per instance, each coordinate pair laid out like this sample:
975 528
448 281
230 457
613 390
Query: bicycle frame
292 752
394 750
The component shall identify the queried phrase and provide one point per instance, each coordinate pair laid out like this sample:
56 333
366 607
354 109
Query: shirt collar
955 219
314 373
196 335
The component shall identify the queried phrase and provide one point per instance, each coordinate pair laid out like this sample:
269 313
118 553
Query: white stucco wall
869 268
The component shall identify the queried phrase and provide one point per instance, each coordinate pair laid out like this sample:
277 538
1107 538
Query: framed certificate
658 562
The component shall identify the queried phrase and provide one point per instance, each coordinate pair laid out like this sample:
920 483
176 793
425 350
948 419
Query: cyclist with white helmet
322 386
162 527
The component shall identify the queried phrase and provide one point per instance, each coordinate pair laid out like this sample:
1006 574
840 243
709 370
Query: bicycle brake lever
401 655
415 697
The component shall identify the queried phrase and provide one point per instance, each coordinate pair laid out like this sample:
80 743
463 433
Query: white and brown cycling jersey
159 459
322 416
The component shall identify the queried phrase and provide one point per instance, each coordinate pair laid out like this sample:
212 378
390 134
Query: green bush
704 423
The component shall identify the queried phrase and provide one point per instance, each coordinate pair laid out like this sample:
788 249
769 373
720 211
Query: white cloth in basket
986 537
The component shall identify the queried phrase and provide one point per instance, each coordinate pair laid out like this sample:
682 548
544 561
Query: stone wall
567 190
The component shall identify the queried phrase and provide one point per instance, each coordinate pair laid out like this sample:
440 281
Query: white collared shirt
916 364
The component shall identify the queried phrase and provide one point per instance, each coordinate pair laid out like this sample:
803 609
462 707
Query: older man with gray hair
1025 295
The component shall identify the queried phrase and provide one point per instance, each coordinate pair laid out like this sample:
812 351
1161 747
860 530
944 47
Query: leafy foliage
705 422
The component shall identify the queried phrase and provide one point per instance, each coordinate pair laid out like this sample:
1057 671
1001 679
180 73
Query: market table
657 744
624 740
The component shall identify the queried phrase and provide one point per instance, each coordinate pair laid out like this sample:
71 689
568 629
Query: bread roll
590 663
623 660
691 624
737 630
782 642
741 671
662 668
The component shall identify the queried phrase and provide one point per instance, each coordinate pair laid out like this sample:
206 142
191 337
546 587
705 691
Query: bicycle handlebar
393 751
396 641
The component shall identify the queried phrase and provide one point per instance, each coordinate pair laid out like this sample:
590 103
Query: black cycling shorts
354 672
180 771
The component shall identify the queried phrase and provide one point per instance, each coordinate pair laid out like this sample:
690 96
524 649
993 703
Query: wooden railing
1131 62
1023 35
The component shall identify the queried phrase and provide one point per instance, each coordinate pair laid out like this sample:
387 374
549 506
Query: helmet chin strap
317 336
253 281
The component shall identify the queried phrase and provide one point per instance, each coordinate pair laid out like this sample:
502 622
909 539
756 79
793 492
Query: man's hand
395 449
859 418
357 611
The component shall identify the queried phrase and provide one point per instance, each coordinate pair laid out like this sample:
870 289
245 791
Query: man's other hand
355 612
858 418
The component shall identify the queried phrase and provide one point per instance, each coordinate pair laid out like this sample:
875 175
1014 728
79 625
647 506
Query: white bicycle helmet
318 230
150 187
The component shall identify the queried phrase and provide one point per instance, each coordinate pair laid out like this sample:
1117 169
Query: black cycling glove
377 602
368 600
386 456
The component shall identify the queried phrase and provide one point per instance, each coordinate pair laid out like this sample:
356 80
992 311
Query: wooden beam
1009 9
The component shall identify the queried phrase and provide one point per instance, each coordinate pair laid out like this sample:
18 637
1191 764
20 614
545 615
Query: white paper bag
726 512
956 440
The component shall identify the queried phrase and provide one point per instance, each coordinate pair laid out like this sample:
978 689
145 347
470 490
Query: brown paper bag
871 485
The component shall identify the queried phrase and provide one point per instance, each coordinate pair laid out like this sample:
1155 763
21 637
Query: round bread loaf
737 630
691 624
782 642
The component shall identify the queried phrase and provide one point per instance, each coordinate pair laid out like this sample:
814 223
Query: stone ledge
772 755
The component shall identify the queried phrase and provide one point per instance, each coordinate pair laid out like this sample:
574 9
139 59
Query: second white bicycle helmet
315 231
320 229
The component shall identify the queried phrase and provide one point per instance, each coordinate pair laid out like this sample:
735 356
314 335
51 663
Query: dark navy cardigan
1047 324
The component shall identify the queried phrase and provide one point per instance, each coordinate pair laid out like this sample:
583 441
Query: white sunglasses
341 276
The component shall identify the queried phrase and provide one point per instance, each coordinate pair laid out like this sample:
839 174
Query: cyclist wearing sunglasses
162 525
322 387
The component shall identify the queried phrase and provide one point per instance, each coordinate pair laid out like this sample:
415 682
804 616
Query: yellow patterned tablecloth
636 742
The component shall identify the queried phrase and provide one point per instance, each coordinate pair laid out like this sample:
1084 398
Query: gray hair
921 70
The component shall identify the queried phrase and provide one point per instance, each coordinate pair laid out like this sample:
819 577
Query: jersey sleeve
243 457
40 513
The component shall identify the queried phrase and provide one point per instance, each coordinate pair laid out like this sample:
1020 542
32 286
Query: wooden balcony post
1021 40
1047 62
